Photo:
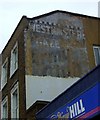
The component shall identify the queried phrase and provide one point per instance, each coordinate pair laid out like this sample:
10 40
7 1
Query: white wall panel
45 88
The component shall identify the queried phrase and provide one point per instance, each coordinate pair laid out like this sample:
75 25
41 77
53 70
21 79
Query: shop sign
84 106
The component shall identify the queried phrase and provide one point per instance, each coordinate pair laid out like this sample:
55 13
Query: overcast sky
11 11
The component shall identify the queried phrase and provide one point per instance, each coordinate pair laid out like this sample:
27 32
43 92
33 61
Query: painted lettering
81 105
50 28
72 111
76 109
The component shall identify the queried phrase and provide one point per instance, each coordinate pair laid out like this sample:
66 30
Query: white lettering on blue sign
72 111
76 109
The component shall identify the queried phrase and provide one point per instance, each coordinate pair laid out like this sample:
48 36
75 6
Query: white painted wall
45 88
99 9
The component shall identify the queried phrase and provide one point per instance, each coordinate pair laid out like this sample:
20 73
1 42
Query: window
4 73
14 60
4 108
97 54
15 102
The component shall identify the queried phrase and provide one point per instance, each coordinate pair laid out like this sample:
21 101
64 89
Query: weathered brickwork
54 45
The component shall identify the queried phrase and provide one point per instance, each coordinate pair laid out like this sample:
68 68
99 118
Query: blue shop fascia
80 101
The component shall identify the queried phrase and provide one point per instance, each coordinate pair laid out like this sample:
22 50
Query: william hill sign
72 111
84 106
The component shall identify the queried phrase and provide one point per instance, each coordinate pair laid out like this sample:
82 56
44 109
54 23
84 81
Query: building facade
82 104
44 56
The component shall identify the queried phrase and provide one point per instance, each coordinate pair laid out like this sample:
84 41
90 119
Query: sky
11 11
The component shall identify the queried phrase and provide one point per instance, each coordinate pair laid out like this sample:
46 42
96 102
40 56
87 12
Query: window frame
14 60
4 101
12 92
4 74
96 47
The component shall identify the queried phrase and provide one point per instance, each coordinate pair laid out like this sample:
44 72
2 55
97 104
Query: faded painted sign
67 30
56 45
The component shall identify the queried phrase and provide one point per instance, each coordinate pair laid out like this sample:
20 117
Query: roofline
62 11
23 17
44 15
